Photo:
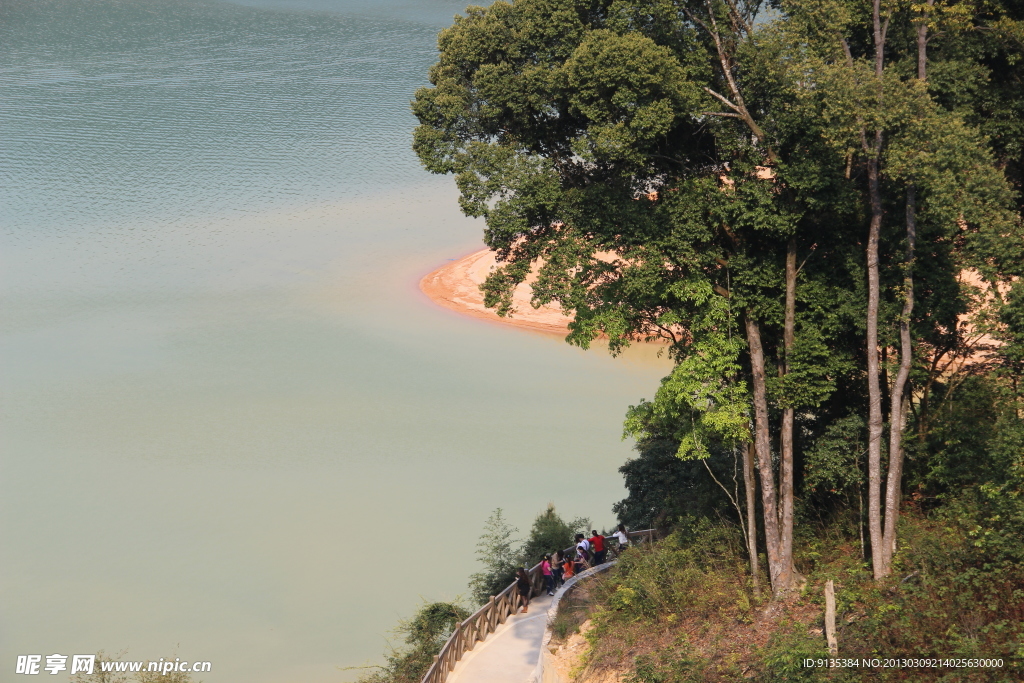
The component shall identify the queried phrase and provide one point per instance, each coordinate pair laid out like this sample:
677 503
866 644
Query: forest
816 206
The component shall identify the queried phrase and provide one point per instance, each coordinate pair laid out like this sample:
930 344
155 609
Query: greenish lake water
232 428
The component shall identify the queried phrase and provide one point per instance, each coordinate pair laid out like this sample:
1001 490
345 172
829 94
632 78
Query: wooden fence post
830 618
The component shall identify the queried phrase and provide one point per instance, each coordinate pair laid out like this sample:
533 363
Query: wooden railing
495 611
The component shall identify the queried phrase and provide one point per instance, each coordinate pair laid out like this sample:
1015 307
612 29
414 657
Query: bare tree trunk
748 485
786 455
897 415
874 390
898 400
922 44
778 563
873 151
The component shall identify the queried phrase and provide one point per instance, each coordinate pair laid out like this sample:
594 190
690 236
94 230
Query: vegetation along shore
817 206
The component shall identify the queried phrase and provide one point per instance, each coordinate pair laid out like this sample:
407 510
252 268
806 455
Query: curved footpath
512 654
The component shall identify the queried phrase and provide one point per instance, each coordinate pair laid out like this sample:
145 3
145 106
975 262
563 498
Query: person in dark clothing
597 547
525 589
556 568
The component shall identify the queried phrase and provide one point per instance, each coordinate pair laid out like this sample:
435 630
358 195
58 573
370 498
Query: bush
499 552
662 487
696 570
549 534
423 636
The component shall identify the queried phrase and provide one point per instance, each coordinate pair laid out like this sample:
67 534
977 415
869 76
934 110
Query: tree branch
721 113
721 98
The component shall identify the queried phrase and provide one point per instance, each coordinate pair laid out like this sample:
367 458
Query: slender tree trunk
897 400
874 389
922 45
897 415
786 455
873 151
748 485
778 564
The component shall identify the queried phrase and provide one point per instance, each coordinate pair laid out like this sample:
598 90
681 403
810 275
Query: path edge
544 673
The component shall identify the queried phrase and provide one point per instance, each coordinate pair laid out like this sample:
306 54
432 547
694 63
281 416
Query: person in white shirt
622 537
582 553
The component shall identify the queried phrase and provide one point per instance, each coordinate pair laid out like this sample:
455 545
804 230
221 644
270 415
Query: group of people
562 565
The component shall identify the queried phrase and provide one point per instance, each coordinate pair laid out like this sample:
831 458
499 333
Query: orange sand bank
457 286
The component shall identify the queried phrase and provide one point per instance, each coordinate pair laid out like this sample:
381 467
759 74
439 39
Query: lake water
232 428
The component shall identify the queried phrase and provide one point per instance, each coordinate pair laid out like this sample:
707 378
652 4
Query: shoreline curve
456 286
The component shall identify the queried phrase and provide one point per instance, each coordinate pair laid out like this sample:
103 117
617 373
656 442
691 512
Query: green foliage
683 573
550 533
956 592
594 139
782 658
499 552
422 636
834 463
572 612
975 437
100 676
701 402
663 488
673 666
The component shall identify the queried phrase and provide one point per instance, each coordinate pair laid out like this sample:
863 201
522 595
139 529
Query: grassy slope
684 611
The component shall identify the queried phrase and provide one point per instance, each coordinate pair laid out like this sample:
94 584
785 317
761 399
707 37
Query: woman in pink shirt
549 579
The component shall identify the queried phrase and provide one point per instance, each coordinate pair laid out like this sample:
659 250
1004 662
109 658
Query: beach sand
457 286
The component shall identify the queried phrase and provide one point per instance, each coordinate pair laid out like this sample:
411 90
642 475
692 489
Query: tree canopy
788 195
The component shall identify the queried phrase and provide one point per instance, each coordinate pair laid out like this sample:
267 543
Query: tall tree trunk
748 485
922 44
897 415
778 563
874 389
898 400
786 455
873 150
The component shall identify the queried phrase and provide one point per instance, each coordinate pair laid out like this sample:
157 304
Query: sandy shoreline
456 286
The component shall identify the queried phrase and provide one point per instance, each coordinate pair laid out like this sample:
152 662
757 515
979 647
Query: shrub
423 636
498 551
550 533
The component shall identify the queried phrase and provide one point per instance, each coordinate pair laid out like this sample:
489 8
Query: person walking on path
525 589
597 545
549 579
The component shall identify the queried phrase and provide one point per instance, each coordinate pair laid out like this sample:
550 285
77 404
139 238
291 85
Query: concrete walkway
510 654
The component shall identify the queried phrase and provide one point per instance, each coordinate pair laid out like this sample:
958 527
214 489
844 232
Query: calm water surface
232 428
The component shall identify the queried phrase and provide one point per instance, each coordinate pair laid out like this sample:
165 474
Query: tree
699 172
550 533
589 137
498 551
870 81
422 636
662 488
